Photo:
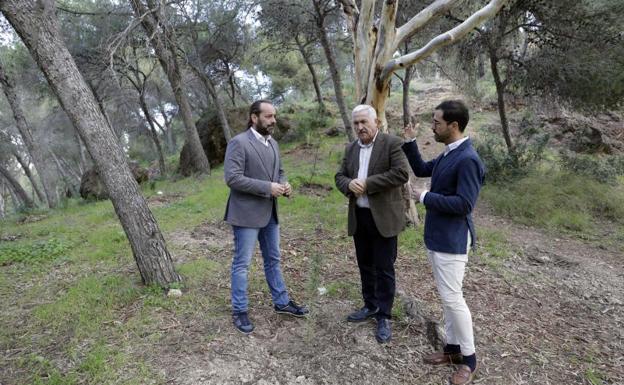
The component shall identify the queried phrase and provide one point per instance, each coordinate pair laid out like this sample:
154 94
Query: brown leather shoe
463 375
441 358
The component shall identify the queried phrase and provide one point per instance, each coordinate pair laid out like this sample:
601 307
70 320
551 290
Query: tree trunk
166 127
214 96
36 24
153 133
17 188
500 92
375 43
333 69
315 82
164 43
35 150
84 162
407 79
2 202
30 176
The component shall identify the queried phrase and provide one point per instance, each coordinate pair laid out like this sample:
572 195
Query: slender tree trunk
36 24
500 92
315 82
30 176
153 133
69 177
65 169
333 69
167 128
84 162
164 43
216 101
35 150
2 202
17 188
407 79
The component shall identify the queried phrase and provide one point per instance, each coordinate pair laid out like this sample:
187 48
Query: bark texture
36 24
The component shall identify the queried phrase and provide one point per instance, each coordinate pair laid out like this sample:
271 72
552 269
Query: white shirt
449 147
365 154
263 139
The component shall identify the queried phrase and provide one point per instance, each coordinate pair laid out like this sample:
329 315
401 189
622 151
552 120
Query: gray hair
365 107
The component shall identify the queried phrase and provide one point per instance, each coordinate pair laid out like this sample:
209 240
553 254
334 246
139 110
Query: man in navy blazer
456 178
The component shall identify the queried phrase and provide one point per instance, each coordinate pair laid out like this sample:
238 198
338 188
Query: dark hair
454 111
255 109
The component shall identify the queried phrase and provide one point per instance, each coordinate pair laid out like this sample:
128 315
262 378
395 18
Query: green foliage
557 200
310 122
504 165
605 169
33 252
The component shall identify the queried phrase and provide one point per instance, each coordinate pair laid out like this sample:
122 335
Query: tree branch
421 19
444 39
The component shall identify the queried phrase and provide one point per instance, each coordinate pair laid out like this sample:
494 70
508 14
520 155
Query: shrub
503 165
604 169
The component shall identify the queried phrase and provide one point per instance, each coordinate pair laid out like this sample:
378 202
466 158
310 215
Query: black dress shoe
383 333
362 315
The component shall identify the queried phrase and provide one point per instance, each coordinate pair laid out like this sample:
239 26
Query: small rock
322 290
174 293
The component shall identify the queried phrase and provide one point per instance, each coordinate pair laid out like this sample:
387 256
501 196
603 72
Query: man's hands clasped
281 189
358 186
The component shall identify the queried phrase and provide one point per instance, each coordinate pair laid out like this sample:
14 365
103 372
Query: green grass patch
492 247
33 252
557 200
88 303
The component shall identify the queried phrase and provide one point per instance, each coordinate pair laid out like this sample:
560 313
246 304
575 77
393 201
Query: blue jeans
244 244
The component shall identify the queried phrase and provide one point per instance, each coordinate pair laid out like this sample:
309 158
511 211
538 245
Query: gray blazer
248 175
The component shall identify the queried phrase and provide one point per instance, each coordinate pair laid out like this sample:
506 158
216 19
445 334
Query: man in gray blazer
373 170
253 171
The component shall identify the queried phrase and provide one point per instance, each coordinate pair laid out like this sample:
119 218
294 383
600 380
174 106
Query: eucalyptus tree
37 25
376 42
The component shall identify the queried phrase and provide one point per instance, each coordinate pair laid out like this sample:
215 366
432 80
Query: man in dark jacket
371 175
456 178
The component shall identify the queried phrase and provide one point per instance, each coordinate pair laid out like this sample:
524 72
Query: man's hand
287 189
358 186
277 189
416 192
409 132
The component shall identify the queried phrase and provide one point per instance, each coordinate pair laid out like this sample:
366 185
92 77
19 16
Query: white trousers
448 273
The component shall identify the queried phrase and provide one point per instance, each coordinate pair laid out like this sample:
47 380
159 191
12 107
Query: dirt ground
553 313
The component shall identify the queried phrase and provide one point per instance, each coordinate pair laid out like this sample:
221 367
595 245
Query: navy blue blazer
455 183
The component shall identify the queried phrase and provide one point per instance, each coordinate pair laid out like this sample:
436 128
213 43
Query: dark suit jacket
387 172
249 175
455 183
